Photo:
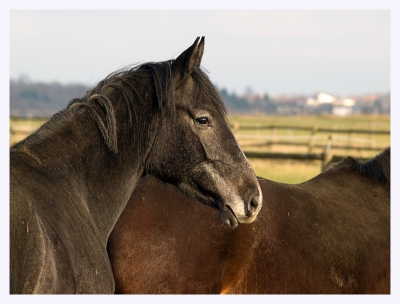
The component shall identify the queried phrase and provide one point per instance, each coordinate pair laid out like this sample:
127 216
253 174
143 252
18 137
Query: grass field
348 137
254 139
295 171
22 127
360 121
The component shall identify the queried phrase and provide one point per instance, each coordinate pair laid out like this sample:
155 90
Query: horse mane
125 82
376 168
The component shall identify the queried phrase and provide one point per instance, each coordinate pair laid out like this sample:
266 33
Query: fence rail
323 147
236 127
328 144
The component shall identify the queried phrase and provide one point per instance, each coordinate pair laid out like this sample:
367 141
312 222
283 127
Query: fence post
350 140
327 155
311 144
372 134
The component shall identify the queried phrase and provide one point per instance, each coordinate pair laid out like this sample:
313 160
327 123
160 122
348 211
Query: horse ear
199 55
190 58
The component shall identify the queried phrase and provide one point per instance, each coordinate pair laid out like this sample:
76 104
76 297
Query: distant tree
44 99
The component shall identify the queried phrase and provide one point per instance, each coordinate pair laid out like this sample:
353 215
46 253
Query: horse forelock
376 168
205 91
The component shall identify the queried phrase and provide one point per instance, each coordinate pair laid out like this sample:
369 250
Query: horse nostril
252 207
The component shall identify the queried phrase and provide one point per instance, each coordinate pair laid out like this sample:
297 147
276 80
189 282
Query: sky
341 52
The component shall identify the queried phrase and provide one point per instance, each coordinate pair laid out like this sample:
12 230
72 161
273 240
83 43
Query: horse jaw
224 194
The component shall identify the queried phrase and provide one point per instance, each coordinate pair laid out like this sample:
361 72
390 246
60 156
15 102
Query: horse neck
71 152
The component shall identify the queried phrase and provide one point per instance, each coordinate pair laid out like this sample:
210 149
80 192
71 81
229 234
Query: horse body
56 229
328 235
71 179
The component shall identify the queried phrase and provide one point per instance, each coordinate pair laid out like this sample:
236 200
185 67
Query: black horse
72 178
330 234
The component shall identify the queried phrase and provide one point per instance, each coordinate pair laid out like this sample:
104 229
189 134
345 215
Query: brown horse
330 234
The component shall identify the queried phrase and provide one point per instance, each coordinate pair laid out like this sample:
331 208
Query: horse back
359 231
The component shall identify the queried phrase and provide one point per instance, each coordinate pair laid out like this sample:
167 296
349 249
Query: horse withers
328 235
71 179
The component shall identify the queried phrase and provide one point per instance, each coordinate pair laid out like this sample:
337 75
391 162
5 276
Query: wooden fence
318 143
257 141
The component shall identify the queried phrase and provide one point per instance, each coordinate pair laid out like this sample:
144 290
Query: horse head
195 149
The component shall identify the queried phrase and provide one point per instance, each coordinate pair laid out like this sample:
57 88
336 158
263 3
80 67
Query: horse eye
202 121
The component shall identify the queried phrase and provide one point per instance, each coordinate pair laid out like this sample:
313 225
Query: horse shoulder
28 248
55 246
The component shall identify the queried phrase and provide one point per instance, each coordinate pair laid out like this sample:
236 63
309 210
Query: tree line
39 99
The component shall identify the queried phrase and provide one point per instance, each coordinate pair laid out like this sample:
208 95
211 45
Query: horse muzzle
234 212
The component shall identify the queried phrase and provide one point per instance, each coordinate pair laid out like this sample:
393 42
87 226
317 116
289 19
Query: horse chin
228 217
